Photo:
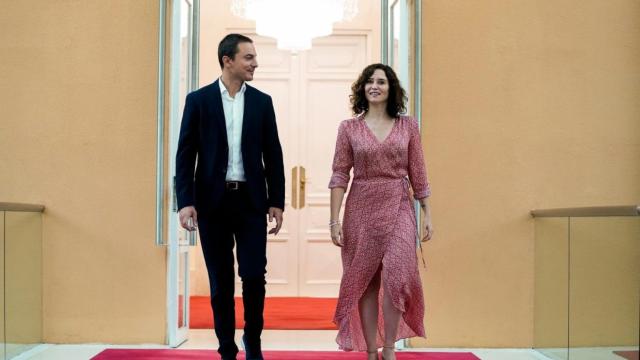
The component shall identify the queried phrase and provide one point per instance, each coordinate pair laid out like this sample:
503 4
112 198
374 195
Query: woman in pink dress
380 297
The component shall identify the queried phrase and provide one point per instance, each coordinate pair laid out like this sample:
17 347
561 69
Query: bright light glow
294 23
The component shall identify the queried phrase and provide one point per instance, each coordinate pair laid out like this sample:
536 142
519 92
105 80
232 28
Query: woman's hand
336 234
428 228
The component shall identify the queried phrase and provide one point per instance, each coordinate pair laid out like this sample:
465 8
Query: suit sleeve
187 153
272 158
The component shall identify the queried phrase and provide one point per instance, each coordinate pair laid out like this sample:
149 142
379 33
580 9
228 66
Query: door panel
329 69
277 77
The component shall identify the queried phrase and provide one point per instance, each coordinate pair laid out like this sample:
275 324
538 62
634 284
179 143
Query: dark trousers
235 220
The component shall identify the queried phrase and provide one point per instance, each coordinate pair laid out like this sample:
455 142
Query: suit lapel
218 112
247 115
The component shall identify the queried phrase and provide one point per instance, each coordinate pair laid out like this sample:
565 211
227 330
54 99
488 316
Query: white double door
310 91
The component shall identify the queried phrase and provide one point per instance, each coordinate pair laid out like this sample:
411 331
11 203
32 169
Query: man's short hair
229 46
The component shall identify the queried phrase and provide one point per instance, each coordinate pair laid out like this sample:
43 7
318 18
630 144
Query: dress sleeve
417 169
342 159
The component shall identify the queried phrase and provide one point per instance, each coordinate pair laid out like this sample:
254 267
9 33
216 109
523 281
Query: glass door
401 46
401 42
183 79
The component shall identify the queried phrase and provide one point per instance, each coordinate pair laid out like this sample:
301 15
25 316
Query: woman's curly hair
396 102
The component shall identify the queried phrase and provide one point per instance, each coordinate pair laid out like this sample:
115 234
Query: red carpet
629 355
162 354
282 313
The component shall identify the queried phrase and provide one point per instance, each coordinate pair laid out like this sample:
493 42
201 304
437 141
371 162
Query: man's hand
276 213
189 213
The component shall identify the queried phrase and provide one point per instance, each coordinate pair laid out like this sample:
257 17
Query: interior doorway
310 91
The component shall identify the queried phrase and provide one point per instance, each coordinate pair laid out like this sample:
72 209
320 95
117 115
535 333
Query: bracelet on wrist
334 222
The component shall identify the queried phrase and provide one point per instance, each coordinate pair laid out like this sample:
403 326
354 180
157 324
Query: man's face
244 62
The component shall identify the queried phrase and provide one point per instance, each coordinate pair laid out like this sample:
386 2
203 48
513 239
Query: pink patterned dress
379 227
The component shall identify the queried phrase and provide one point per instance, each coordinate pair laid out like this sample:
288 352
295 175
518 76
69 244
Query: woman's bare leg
368 306
391 316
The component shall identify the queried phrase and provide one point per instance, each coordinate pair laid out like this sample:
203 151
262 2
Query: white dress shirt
233 116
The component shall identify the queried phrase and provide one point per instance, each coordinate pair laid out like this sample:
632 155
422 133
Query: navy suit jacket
203 135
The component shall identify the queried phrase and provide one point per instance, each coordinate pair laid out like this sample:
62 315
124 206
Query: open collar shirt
233 116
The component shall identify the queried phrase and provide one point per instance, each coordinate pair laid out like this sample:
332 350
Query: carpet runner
280 313
629 355
166 354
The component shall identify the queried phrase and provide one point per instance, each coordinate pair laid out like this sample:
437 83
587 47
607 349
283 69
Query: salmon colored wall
527 104
78 135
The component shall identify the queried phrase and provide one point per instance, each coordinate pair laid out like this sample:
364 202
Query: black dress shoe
252 351
229 351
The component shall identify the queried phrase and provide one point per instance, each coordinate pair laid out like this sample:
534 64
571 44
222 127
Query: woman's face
376 89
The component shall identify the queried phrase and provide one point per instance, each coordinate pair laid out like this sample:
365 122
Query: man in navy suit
229 177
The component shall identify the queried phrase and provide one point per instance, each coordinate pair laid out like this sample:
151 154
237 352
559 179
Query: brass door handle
294 187
303 183
298 187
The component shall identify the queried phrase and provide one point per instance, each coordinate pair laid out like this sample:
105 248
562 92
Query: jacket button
223 170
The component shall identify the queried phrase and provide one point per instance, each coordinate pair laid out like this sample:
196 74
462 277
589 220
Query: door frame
168 233
410 18
164 203
411 77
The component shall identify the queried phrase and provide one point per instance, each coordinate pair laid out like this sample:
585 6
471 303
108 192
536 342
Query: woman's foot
388 353
372 354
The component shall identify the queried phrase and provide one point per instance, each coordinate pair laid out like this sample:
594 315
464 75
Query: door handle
192 235
174 197
294 187
303 185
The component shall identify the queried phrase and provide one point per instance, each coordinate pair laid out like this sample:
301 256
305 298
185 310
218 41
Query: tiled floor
309 340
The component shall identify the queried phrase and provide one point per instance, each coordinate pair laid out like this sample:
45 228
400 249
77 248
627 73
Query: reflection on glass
2 242
400 46
22 281
551 290
185 50
185 86
587 287
394 36
604 287
185 289
182 291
